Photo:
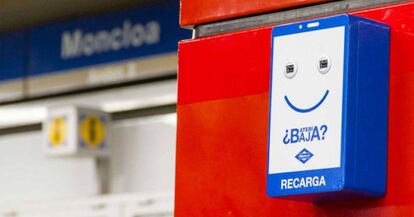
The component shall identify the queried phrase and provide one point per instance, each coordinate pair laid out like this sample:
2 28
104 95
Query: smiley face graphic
291 69
306 110
307 82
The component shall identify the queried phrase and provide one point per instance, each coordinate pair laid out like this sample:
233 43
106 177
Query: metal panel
206 11
122 101
240 23
223 117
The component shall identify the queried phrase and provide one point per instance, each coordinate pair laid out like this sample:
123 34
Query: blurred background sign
127 45
11 65
70 130
116 56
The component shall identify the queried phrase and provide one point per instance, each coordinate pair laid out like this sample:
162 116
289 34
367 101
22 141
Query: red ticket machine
223 111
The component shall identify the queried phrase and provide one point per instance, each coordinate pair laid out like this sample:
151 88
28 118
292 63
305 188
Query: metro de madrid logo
304 155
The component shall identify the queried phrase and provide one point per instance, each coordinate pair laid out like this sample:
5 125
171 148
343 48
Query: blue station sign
11 56
144 31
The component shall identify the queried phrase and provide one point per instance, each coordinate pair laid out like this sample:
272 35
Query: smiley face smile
306 110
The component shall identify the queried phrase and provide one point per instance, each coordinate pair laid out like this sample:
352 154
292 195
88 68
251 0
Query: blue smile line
300 110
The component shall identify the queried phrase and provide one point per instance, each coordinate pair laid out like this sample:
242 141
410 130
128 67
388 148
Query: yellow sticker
57 131
92 131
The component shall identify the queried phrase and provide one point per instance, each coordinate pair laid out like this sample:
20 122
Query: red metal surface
222 127
195 12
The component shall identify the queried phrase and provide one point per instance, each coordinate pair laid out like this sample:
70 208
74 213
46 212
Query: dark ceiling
21 14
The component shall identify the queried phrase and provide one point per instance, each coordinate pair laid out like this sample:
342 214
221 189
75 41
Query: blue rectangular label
144 31
305 182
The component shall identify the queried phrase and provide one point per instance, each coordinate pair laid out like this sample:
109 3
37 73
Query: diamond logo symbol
304 155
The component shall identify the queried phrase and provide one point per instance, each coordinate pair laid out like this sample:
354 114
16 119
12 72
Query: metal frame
116 116
289 15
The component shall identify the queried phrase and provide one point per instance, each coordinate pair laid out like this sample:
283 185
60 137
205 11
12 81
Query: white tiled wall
142 160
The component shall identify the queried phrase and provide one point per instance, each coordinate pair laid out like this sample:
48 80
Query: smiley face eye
290 70
324 65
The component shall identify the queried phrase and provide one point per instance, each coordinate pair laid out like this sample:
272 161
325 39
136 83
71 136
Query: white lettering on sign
304 182
77 43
